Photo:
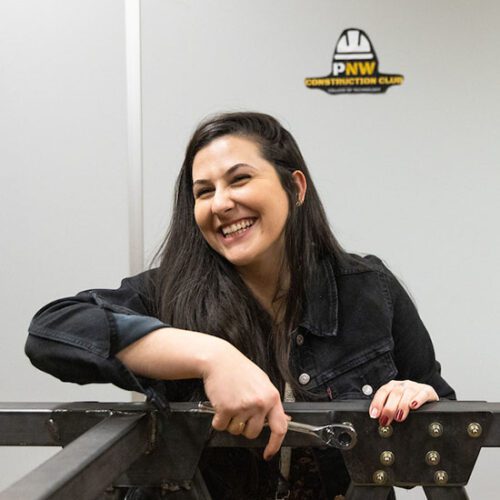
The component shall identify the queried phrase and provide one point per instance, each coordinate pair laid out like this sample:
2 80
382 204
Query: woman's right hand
244 398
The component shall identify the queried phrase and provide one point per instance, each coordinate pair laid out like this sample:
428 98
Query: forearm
173 354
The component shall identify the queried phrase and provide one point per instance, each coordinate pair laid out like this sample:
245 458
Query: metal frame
83 469
134 125
120 445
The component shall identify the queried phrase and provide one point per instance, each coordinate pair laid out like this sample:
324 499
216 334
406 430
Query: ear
301 185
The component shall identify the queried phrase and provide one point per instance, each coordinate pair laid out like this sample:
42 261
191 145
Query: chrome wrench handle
342 436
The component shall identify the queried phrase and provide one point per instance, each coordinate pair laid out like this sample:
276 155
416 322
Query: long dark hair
201 291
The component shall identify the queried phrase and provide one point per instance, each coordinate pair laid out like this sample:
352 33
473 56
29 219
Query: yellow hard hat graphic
354 68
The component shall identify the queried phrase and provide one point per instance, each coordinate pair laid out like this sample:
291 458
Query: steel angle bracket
177 444
431 448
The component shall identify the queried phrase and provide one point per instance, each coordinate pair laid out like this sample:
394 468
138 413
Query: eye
240 178
202 192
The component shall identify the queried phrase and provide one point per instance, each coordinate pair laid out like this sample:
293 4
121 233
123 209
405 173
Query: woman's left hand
394 400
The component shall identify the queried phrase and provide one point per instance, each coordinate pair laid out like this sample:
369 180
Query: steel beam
89 464
440 493
181 434
56 424
364 492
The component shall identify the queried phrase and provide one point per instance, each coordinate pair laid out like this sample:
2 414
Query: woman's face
240 205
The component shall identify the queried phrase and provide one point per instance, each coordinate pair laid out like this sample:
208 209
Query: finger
237 425
221 420
379 399
426 394
278 425
388 412
254 426
404 403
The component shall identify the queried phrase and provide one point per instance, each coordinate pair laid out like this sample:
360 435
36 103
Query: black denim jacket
360 330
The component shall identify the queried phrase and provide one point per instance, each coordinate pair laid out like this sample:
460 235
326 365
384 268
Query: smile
237 228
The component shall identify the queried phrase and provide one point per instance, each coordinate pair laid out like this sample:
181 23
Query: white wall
408 175
63 183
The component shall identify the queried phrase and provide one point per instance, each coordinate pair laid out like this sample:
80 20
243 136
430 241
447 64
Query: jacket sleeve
413 350
76 338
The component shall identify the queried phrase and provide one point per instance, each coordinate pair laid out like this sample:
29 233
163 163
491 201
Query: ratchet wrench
342 436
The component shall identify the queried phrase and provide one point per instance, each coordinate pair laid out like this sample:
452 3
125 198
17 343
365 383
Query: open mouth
237 228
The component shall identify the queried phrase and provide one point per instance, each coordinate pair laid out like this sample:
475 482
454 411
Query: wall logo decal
354 68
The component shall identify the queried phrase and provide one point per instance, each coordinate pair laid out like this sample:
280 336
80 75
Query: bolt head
441 477
385 431
474 430
379 477
435 429
387 458
432 458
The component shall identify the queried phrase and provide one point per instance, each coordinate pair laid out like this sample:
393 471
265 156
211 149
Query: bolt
385 432
432 458
170 486
379 477
435 429
474 430
387 458
53 429
440 477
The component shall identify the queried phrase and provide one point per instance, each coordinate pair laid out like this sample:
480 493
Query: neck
267 286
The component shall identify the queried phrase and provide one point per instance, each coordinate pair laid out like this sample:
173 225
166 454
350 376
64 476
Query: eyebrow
228 172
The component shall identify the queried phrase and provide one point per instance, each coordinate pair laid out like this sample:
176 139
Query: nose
222 201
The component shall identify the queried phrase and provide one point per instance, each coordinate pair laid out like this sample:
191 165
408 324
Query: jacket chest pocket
360 381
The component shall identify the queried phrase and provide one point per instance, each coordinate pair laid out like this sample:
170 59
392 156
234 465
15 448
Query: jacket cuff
127 328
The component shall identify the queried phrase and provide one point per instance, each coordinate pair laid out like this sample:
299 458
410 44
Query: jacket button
367 390
299 339
304 378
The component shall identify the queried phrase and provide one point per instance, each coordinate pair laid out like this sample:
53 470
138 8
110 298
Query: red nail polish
383 421
413 404
399 415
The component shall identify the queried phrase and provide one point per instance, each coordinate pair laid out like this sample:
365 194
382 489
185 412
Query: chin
239 261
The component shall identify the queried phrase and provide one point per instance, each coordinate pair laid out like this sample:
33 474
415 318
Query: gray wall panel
63 180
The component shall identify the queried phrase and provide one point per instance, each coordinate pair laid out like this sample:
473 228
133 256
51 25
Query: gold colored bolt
474 430
379 477
432 458
387 458
385 432
435 429
440 477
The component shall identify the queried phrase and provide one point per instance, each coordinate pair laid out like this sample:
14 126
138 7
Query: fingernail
399 415
413 404
374 413
384 420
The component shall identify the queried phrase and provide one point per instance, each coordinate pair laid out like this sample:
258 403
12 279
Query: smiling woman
253 298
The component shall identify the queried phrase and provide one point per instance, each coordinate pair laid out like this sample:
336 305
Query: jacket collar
321 308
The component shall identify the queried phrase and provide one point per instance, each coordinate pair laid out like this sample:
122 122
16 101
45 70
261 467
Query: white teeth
233 228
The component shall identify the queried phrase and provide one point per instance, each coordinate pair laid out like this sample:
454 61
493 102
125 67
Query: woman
253 296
